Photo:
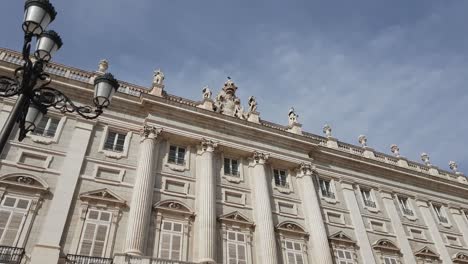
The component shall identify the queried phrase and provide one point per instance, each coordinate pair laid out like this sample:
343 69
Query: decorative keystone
395 150
425 159
103 65
327 130
362 140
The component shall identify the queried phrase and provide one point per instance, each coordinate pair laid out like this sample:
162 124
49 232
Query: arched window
293 240
172 225
460 258
387 251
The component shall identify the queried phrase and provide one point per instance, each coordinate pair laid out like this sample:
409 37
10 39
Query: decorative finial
425 158
362 140
103 65
327 130
206 93
158 77
292 116
395 150
252 104
453 166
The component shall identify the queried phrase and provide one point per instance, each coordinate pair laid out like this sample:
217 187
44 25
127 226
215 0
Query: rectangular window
293 252
280 178
390 260
367 198
344 257
115 141
231 167
440 214
170 244
47 127
12 214
236 247
405 207
176 155
95 233
325 189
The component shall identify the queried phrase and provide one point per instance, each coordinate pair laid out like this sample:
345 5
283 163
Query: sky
395 71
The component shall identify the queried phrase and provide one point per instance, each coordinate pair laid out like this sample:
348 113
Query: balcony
78 259
11 255
370 203
408 212
127 259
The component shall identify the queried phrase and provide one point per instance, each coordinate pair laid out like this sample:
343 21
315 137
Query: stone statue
453 166
103 65
327 130
395 150
238 110
158 77
206 93
292 116
252 104
362 140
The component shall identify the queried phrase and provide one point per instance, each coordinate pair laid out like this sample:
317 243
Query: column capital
260 158
208 145
306 169
150 132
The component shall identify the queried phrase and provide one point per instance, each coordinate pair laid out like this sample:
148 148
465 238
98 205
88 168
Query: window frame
407 206
240 166
441 214
111 153
373 199
173 166
237 243
294 251
96 222
14 209
288 187
172 233
332 186
58 132
340 260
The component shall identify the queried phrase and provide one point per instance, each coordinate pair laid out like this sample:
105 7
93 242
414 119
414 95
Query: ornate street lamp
34 99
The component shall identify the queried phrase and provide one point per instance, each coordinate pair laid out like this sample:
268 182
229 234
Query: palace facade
161 179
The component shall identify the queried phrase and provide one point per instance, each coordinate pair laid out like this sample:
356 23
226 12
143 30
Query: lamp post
34 98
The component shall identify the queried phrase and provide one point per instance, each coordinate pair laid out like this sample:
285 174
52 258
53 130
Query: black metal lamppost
34 98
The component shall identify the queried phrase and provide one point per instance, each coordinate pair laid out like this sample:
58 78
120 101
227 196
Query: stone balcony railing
11 255
78 259
87 77
127 259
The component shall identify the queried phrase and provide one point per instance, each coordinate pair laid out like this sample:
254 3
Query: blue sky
396 71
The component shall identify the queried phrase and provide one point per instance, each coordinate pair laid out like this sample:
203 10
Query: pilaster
318 241
205 225
142 196
359 227
265 241
405 247
47 249
461 222
424 208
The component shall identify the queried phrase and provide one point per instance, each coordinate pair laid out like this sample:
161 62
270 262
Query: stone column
461 222
431 224
365 248
142 196
318 241
265 239
205 226
405 247
48 247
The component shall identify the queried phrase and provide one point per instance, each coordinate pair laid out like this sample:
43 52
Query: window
47 127
231 167
170 246
440 214
12 214
115 141
367 198
95 233
294 252
325 189
176 155
390 260
405 207
280 178
236 246
344 257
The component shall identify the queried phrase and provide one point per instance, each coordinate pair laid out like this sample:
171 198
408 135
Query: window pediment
341 238
426 252
174 206
461 258
104 196
237 218
291 227
385 245
24 181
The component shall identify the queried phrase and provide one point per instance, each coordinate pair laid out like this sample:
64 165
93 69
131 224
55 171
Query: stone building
162 179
